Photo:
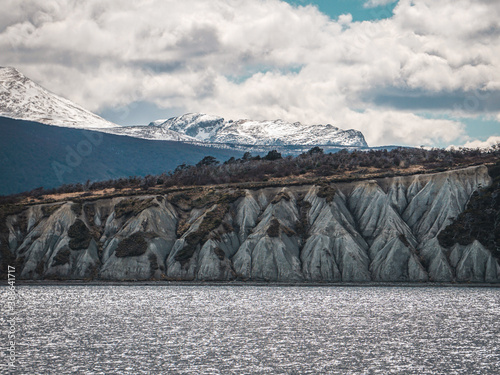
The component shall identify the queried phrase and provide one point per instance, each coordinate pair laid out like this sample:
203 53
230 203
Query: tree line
313 163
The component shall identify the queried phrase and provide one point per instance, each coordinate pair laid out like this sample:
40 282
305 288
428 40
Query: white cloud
491 141
399 128
261 60
377 3
345 19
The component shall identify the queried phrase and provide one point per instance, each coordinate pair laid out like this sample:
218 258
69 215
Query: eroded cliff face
384 230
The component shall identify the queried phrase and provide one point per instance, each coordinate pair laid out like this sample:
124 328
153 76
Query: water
256 330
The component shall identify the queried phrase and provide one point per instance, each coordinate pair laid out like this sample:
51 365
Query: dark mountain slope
34 155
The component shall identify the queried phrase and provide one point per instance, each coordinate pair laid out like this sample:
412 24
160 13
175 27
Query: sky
407 72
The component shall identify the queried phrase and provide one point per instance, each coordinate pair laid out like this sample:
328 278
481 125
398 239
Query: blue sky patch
355 7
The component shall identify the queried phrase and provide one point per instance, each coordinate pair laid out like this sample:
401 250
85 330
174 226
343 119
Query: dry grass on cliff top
197 192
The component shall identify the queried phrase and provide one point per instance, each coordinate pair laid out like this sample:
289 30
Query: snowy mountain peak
11 73
21 98
215 129
197 125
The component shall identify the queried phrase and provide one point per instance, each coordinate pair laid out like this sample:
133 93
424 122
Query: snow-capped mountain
214 129
21 98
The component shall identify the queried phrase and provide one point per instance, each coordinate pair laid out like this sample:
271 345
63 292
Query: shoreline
369 284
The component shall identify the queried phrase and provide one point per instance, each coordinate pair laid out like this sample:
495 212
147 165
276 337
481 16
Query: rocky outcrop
377 230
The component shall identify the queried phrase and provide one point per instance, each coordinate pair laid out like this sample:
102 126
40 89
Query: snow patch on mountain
157 122
150 132
23 99
215 129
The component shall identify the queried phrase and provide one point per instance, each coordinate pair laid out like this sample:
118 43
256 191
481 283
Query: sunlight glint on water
249 329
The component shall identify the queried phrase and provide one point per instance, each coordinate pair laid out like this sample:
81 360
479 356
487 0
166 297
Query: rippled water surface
257 330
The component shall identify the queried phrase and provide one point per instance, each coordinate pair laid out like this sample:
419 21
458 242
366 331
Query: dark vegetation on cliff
62 257
210 221
80 235
131 246
130 207
480 220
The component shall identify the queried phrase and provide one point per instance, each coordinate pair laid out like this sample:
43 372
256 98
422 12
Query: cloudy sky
409 72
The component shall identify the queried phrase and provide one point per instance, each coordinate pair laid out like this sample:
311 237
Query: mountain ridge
266 132
34 154
23 99
215 131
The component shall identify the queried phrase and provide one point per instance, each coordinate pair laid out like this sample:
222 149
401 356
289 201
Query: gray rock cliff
377 230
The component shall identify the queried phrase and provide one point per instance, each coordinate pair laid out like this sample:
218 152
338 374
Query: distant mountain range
21 98
34 155
199 127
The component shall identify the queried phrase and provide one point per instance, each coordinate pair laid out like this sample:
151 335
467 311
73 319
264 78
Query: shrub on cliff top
327 192
48 210
280 196
133 206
